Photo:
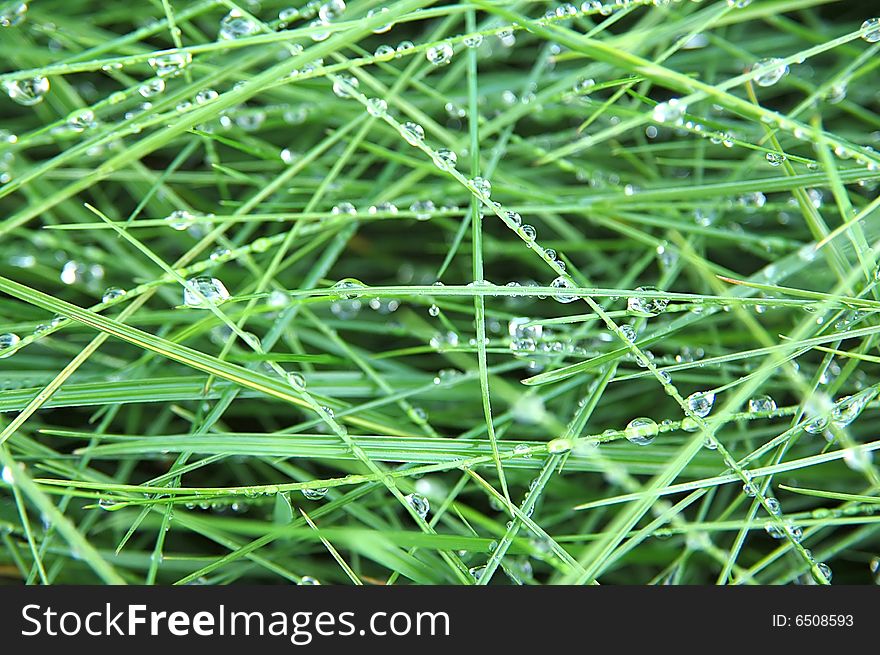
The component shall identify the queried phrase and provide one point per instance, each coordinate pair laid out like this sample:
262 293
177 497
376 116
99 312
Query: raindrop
563 282
641 431
206 96
440 54
423 209
81 120
315 494
13 13
445 159
331 10
773 69
342 85
7 342
763 403
236 26
180 219
473 40
701 402
413 133
646 306
871 29
308 580
774 158
671 111
482 186
376 106
419 503
170 65
382 28
203 291
111 294
27 92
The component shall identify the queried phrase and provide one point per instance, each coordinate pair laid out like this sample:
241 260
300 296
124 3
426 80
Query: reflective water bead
846 410
236 26
170 65
773 69
774 506
344 208
377 107
308 580
871 29
641 431
434 310
774 158
445 158
529 232
382 28
81 120
514 218
13 13
629 332
27 92
404 47
825 571
383 208
344 286
180 219
202 291
671 111
112 293
739 4
522 450
7 342
331 10
473 40
517 329
701 402
763 403
482 186
562 282
343 85
583 86
413 133
384 51
816 425
440 54
315 494
419 503
206 96
559 446
423 209
646 306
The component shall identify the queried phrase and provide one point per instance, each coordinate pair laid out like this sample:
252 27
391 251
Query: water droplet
563 282
382 28
81 120
423 209
473 40
413 133
377 107
641 431
202 291
344 84
13 13
517 329
445 159
763 403
846 410
315 494
773 69
434 310
419 503
180 219
482 186
205 96
522 450
383 208
774 506
331 10
739 4
236 26
774 158
308 580
170 65
27 92
824 570
671 111
7 342
871 29
530 233
646 306
701 402
384 51
559 446
111 294
403 47
344 209
440 54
